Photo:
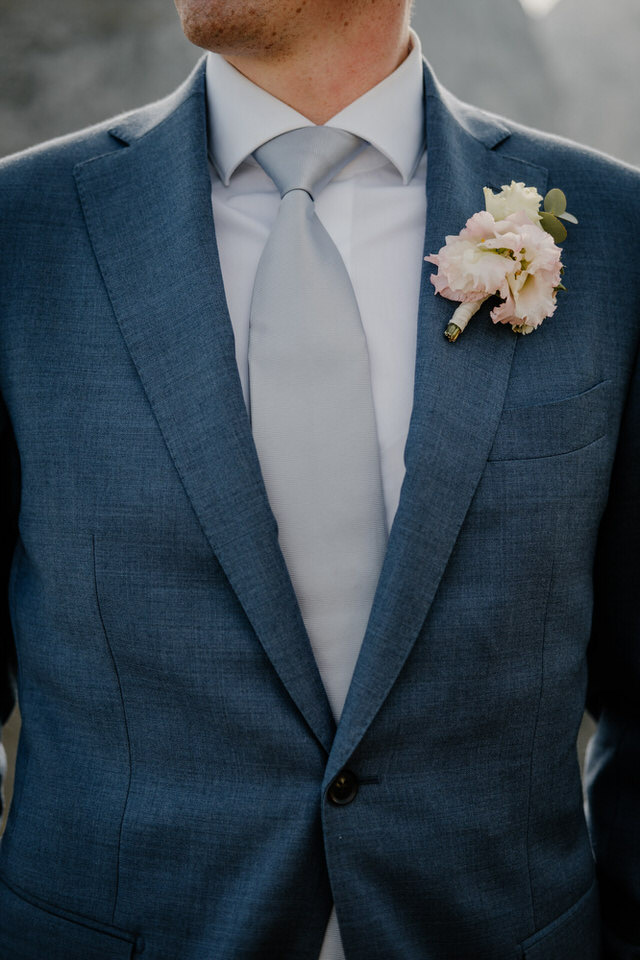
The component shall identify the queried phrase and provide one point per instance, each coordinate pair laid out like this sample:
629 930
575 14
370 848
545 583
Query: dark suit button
343 789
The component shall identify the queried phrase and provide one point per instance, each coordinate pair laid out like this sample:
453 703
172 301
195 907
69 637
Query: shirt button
343 789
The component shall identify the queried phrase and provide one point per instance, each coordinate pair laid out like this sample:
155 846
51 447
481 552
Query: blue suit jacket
177 743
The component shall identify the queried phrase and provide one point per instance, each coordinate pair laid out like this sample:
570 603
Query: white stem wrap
465 311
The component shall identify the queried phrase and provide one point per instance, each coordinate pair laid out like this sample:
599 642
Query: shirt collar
242 115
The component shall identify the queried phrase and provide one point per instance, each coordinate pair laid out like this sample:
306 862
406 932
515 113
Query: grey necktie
311 404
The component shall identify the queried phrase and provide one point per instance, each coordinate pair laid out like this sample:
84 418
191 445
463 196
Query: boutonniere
511 250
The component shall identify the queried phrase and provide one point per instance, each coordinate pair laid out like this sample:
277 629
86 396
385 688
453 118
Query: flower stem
452 332
461 318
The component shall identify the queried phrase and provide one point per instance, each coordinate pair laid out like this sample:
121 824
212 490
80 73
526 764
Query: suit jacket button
343 789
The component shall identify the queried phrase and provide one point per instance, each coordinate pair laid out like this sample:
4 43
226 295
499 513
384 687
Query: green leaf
569 217
553 226
555 202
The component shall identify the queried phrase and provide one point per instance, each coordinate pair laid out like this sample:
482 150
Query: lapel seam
128 143
138 138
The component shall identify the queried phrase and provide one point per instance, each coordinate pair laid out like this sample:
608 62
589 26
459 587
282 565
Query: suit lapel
458 397
148 211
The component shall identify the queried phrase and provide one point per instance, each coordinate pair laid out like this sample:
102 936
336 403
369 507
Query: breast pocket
551 429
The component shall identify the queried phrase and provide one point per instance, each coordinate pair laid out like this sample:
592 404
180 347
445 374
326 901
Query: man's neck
321 80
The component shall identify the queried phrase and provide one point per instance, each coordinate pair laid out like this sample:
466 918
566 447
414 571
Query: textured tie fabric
311 406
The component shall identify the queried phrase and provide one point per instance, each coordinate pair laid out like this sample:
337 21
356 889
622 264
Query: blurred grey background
567 66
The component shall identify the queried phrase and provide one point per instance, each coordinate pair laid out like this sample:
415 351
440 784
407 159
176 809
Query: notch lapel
148 211
459 391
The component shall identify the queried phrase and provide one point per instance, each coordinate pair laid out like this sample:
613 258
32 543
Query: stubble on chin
235 27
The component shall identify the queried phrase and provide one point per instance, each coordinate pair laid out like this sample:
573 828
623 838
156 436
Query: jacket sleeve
9 503
613 757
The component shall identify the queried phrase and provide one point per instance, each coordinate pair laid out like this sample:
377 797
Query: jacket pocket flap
550 429
31 930
576 933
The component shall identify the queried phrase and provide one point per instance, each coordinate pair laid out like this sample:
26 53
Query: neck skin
321 74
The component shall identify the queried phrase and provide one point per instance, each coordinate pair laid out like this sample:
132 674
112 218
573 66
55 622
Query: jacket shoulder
559 154
552 149
610 187
37 185
56 157
52 162
584 166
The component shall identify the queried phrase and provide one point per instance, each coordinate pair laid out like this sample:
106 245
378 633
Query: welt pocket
31 929
574 935
551 429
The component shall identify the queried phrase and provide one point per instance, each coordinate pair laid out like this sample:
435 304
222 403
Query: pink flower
530 292
466 271
513 258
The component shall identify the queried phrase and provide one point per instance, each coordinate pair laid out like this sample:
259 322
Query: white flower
512 199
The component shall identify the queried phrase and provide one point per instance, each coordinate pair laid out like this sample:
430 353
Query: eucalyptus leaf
555 202
552 225
569 217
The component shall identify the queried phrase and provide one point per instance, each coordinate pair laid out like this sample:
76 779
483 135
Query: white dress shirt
374 210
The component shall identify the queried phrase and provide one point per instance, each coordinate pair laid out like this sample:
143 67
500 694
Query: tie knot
307 158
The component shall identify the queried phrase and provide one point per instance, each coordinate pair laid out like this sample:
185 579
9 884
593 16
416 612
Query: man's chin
233 27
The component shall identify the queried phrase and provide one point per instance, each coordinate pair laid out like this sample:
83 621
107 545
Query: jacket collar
389 116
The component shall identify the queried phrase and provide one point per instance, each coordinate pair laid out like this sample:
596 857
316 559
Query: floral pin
509 250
